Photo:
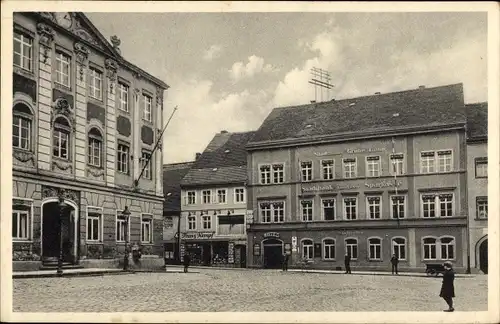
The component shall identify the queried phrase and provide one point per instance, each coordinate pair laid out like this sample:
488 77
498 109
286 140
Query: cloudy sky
228 70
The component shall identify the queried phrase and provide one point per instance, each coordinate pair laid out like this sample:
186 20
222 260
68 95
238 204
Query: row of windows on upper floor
214 196
64 69
433 248
431 206
62 137
430 162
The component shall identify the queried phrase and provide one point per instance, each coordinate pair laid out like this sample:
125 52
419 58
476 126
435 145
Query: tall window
191 197
239 195
206 221
20 224
272 212
328 209
374 248
397 164
278 173
60 138
94 225
122 161
95 147
328 169
427 162
221 196
23 51
123 96
351 247
207 196
265 174
350 208
146 229
349 168
430 248
438 249
121 229
373 166
329 249
399 247
444 161
307 210
398 207
21 127
447 248
481 165
146 164
437 205
307 249
147 109
95 84
191 222
374 207
63 69
306 171
482 207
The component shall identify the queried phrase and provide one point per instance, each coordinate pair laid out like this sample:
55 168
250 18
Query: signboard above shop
272 234
195 235
330 187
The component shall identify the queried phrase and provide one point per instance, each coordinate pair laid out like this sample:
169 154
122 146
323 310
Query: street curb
71 274
380 274
162 271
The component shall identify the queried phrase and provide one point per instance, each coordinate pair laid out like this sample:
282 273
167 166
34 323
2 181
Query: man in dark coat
187 260
285 262
448 288
347 263
394 262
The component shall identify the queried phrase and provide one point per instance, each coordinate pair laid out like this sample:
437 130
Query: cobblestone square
245 291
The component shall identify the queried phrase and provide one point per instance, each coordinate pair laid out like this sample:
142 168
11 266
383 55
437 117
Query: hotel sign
195 235
272 234
382 184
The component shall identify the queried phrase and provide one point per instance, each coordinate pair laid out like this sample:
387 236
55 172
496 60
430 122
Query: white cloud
212 53
255 65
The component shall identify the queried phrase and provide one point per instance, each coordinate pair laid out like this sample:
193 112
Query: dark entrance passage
483 256
240 256
273 253
50 233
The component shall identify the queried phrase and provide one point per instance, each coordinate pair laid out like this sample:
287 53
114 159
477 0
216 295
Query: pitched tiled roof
223 161
411 109
172 176
477 121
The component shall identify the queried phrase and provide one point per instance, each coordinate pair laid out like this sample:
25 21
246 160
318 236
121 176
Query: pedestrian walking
347 263
448 288
285 262
187 260
394 262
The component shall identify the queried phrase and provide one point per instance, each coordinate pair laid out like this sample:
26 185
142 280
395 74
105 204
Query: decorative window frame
121 82
23 99
344 214
59 49
268 165
438 247
302 248
368 245
195 223
273 166
71 140
437 204
405 205
323 254
334 209
480 160
97 68
357 246
206 215
478 200
88 210
147 218
119 214
34 51
442 151
302 169
395 156
427 153
381 211
323 169
31 207
103 145
129 156
270 204
405 247
350 159
377 158
302 202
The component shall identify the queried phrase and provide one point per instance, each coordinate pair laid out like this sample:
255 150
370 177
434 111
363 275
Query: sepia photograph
298 161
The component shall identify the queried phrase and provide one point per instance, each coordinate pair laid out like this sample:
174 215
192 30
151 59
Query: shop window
351 247
399 247
328 169
373 166
329 249
328 209
169 251
307 249
374 248
307 210
350 210
374 206
307 171
482 207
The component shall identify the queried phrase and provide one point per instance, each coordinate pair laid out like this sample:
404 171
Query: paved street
251 290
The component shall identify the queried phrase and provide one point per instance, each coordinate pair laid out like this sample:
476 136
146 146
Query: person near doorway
447 287
394 263
187 260
347 263
285 262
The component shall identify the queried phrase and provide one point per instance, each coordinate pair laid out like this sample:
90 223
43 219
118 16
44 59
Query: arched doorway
273 253
50 243
483 256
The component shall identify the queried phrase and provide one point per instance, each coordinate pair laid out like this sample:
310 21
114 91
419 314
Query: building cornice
215 184
343 137
41 178
477 140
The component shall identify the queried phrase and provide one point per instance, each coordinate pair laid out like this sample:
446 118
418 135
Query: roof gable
172 176
423 107
477 121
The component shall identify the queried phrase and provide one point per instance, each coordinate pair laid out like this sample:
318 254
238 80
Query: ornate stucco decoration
61 165
23 156
81 32
48 15
61 107
111 68
53 192
82 54
159 96
46 34
137 75
115 41
137 93
158 134
96 172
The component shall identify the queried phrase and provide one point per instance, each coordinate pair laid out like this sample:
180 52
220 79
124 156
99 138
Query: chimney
197 156
223 131
422 87
377 93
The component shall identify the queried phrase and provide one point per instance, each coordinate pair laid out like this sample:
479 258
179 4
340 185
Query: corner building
370 176
85 121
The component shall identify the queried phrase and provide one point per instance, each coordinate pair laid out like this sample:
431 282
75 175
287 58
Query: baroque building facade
370 177
85 123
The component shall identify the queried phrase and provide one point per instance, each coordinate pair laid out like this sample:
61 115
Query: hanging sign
230 252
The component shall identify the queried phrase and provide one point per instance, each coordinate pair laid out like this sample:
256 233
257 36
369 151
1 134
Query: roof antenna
322 83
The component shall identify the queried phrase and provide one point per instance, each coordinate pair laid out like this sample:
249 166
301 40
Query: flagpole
136 182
